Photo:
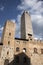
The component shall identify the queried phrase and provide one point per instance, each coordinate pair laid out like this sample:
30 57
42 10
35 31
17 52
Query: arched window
24 49
17 49
7 52
35 50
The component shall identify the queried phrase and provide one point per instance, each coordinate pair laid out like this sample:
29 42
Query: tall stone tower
8 41
26 26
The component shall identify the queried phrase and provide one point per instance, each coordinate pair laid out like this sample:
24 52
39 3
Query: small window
18 42
41 51
24 49
31 39
35 50
7 52
9 34
17 49
8 42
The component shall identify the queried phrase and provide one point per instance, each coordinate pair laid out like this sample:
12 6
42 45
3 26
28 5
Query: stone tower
8 41
26 26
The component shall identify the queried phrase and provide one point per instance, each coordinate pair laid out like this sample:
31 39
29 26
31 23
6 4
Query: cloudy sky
12 10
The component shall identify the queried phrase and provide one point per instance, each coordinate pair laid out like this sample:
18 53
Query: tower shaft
8 41
26 26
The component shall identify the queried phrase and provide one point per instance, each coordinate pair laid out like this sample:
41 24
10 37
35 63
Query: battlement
38 41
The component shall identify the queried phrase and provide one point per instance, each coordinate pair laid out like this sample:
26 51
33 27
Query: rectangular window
35 50
17 49
41 51
8 42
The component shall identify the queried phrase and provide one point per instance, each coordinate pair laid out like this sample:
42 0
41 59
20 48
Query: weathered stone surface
20 51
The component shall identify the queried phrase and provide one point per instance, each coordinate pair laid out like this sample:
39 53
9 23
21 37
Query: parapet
38 41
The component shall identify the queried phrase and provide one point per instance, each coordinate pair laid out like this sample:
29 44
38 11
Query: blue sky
12 10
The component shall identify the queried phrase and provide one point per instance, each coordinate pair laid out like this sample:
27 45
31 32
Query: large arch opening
6 62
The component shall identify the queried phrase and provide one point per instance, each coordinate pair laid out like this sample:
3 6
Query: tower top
26 12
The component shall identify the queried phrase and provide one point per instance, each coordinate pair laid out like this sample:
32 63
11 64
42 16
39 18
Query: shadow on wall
19 59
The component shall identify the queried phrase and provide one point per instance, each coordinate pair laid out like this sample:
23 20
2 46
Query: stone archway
6 62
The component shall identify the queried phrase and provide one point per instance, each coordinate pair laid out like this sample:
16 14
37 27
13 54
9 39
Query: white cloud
35 8
37 19
18 26
1 28
25 4
33 4
1 8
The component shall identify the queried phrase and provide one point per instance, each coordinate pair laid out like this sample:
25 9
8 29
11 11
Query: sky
13 9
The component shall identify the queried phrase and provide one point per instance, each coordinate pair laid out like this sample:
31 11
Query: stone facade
26 25
8 41
20 51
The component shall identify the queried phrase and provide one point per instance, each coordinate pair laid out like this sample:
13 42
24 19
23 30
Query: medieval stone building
20 51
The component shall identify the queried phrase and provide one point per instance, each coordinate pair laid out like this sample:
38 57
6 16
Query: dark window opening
8 42
7 52
17 49
41 51
25 60
9 34
31 39
35 50
30 34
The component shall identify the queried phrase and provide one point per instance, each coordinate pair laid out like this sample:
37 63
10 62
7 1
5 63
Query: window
30 34
7 52
41 51
25 60
17 59
17 49
9 34
35 50
24 49
18 42
8 42
31 39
